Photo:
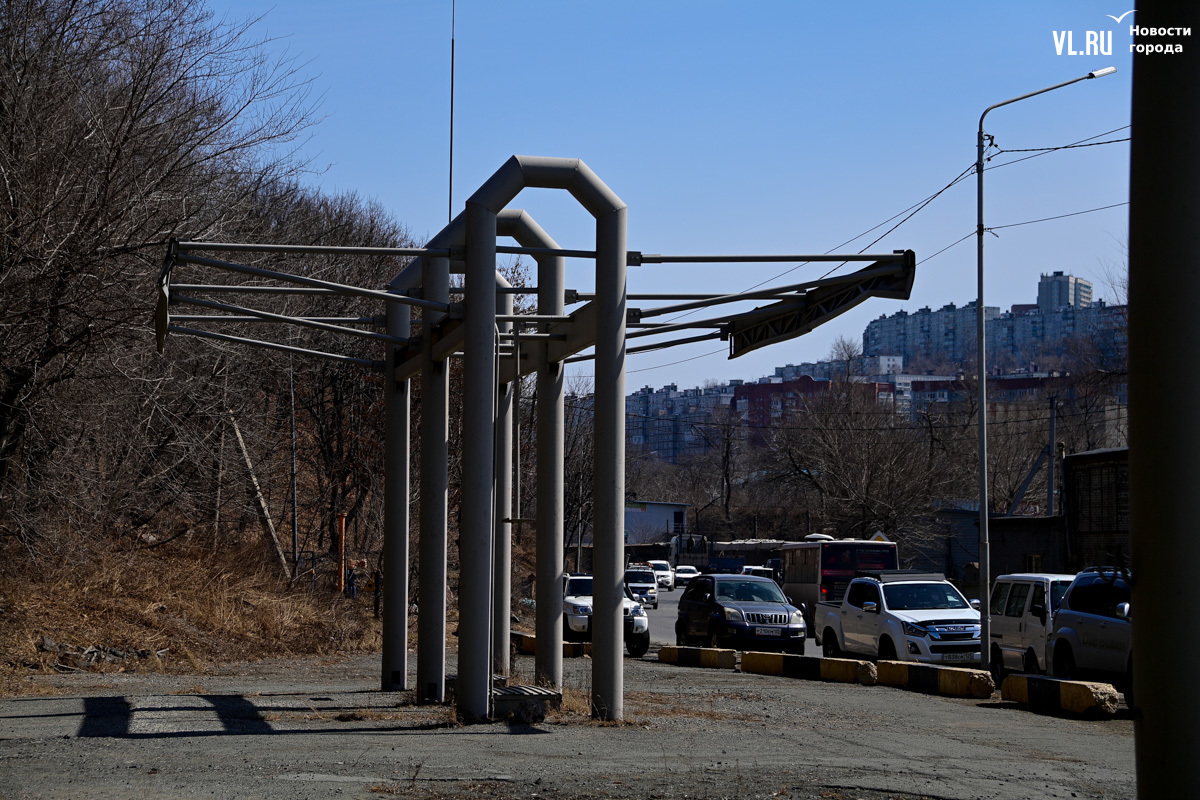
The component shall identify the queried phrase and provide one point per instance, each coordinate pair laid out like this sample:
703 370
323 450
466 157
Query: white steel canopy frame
476 327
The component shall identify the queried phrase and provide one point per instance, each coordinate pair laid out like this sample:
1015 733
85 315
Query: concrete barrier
949 681
840 670
1052 695
709 657
526 643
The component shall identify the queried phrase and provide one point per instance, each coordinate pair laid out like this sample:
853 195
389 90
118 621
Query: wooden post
341 529
256 490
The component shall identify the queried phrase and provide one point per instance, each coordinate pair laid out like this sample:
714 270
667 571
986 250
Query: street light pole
981 360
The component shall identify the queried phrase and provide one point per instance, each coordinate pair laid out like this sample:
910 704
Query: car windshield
579 587
639 576
749 591
912 596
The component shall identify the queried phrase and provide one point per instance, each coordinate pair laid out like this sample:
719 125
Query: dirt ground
318 727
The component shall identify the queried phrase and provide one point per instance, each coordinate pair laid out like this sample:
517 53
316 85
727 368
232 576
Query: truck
900 615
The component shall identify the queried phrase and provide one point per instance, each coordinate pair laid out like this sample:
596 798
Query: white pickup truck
900 615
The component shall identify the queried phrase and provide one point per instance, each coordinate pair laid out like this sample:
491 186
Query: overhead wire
912 211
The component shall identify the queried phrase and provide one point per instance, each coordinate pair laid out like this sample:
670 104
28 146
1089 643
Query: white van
1020 609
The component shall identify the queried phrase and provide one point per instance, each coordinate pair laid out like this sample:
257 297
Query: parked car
1091 631
684 574
577 615
1021 607
664 574
746 612
642 581
903 615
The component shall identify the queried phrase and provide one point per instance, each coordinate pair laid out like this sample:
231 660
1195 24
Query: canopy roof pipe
550 388
520 172
477 228
432 274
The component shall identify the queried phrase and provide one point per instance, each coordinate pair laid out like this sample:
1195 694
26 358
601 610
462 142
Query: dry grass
199 606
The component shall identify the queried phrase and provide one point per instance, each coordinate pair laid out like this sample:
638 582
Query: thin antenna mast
450 188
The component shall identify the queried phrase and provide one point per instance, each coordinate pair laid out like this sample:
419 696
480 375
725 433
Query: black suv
745 612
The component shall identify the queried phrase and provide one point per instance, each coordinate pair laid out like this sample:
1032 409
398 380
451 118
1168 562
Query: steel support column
502 555
608 532
476 529
394 667
431 589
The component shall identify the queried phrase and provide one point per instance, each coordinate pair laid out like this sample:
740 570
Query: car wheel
797 648
829 645
996 666
1031 663
1064 662
681 639
714 638
638 644
887 650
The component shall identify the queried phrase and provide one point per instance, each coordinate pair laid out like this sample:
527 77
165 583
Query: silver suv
1090 634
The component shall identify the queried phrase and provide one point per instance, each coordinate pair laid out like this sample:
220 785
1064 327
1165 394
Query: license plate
960 657
768 632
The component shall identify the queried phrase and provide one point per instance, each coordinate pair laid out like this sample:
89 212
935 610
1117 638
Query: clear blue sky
738 127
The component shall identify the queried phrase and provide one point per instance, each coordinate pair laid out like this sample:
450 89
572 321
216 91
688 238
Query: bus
820 569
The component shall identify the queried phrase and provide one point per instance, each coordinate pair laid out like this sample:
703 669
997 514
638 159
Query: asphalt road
318 728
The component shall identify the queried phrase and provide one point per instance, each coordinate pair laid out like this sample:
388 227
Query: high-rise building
947 334
1058 291
1019 338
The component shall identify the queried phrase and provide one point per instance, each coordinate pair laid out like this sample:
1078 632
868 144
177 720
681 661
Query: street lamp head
1100 73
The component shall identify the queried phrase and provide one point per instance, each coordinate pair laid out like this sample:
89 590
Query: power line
1047 151
1060 216
912 211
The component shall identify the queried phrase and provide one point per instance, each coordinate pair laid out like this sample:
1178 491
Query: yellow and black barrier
949 681
839 670
1052 695
709 657
526 643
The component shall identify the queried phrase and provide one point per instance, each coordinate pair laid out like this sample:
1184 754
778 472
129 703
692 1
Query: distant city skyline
1017 338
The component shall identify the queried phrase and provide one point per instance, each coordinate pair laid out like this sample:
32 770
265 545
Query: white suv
664 573
641 580
577 615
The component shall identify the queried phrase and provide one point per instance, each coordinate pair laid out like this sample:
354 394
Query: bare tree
124 123
868 469
844 352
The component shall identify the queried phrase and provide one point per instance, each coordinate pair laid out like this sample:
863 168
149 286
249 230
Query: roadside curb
1054 695
835 670
930 679
526 643
708 657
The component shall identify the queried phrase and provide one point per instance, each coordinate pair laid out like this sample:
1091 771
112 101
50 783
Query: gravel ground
318 728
